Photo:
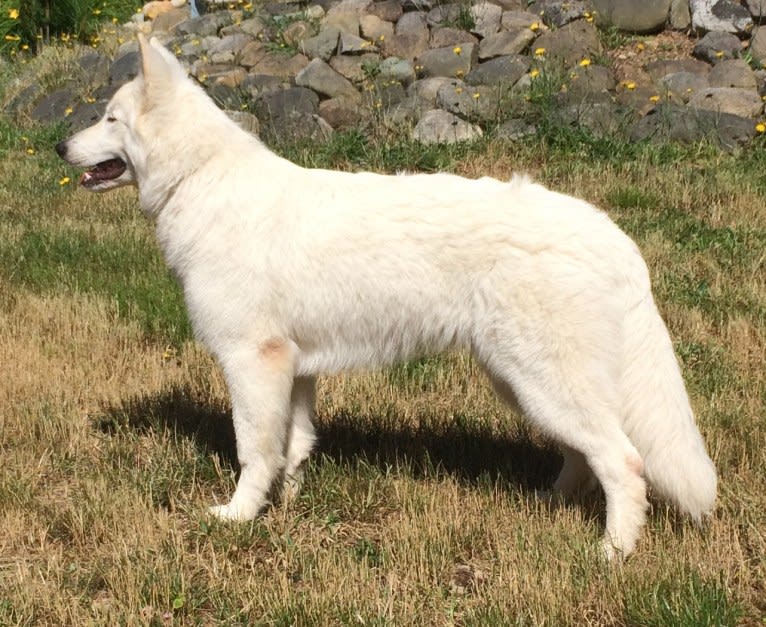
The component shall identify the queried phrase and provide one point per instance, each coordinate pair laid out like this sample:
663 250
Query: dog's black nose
61 149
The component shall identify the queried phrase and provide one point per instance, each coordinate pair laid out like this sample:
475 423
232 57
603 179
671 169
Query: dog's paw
232 512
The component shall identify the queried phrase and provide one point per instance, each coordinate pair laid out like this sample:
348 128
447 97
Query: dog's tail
658 418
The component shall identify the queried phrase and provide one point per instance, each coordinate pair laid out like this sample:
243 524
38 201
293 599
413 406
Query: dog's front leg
260 383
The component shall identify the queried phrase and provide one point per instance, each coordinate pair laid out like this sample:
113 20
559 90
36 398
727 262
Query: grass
420 506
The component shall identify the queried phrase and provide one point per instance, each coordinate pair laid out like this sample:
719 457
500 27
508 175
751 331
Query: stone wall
453 71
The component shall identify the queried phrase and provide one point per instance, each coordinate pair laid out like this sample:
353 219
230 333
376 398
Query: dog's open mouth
104 171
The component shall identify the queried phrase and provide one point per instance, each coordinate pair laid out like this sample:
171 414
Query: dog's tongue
103 171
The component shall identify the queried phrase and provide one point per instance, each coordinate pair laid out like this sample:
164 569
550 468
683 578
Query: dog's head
113 150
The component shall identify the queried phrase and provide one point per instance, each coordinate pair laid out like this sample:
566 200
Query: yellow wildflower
30 151
654 98
539 52
12 37
476 95
457 50
534 26
64 181
96 11
534 73
68 111
630 85
760 127
719 54
13 14
585 63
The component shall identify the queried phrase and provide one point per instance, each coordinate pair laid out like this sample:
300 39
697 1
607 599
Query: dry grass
420 506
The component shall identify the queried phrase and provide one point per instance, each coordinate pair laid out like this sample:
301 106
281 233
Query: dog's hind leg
301 439
260 383
575 476
568 386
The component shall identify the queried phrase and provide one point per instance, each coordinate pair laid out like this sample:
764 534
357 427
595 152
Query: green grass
116 431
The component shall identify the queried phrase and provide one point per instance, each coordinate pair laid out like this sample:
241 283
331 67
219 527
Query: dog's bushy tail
658 418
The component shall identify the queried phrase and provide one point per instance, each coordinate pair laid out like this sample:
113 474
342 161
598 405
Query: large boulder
635 17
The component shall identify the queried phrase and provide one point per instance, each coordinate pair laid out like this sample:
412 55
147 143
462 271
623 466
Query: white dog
290 272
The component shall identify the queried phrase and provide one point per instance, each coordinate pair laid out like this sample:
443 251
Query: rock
251 53
601 119
375 29
661 68
758 45
320 77
21 101
259 85
279 64
167 22
339 14
384 93
204 25
227 49
732 73
410 37
475 102
571 43
720 15
443 36
505 43
86 114
741 102
323 45
352 44
246 121
499 71
683 85
687 125
400 70
757 8
95 67
356 69
253 27
512 20
559 13
680 17
486 18
388 10
647 16
716 46
455 61
590 82
403 114
298 127
440 127
424 91
156 7
125 68
413 24
515 130
286 103
296 32
56 106
445 14
340 112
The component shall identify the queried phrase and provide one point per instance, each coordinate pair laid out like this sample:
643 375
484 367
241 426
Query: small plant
25 23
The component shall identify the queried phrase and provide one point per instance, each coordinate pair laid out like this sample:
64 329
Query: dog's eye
111 118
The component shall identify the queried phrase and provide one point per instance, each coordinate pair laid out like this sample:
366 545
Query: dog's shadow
469 452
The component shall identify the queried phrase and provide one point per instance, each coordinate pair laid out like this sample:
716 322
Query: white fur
290 272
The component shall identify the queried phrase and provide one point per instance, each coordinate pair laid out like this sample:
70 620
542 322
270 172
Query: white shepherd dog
289 273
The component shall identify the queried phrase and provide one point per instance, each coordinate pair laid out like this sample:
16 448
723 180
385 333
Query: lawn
421 504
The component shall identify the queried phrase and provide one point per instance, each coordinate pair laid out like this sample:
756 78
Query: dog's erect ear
159 67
